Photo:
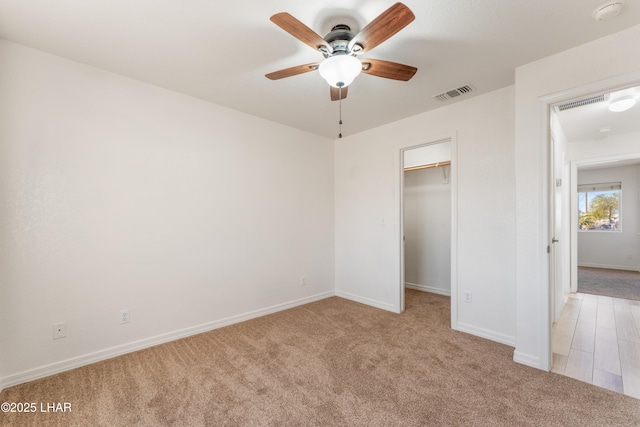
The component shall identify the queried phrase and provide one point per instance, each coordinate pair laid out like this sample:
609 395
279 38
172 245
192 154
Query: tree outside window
599 207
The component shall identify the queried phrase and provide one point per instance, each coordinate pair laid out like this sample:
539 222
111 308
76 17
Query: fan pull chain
340 102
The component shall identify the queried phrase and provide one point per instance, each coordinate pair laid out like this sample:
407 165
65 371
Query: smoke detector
607 10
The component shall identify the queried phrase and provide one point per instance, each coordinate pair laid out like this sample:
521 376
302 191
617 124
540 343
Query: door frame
453 183
575 164
546 103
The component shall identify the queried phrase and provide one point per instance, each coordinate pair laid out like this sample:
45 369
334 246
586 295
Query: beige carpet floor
611 283
332 362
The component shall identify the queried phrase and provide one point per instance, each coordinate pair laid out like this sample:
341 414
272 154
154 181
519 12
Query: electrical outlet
59 330
303 281
467 296
124 315
628 256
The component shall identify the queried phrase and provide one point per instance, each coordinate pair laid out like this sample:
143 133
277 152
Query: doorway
606 219
427 216
594 338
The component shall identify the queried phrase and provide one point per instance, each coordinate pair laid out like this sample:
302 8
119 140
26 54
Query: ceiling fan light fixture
622 102
340 70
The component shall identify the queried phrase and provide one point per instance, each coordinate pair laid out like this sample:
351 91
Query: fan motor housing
339 39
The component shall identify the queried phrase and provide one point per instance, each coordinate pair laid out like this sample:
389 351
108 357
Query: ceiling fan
341 47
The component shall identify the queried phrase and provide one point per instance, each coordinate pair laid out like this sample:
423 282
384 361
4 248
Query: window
599 206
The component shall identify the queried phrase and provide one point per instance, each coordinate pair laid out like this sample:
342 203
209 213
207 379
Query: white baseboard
609 267
488 334
367 301
108 353
526 359
425 288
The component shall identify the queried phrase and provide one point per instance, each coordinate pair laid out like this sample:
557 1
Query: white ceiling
220 51
595 121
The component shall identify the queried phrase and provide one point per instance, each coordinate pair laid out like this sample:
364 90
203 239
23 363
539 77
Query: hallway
597 340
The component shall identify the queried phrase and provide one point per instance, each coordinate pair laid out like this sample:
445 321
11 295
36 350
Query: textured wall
368 168
118 194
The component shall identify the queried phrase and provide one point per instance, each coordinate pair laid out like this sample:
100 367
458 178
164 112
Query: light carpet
611 283
329 363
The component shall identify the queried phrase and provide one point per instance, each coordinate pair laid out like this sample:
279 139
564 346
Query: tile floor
597 340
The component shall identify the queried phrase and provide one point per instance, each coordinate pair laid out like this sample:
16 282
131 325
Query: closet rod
432 165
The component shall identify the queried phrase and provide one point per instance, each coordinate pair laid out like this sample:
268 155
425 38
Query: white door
556 245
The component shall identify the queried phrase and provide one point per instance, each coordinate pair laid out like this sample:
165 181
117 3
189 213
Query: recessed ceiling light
605 129
607 10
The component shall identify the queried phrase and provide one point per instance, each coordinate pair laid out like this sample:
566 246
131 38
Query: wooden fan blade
335 93
293 71
388 69
300 31
384 26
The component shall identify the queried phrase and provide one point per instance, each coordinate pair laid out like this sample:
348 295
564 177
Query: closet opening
427 218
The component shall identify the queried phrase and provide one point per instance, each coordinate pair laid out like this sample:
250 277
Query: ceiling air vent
581 102
453 93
